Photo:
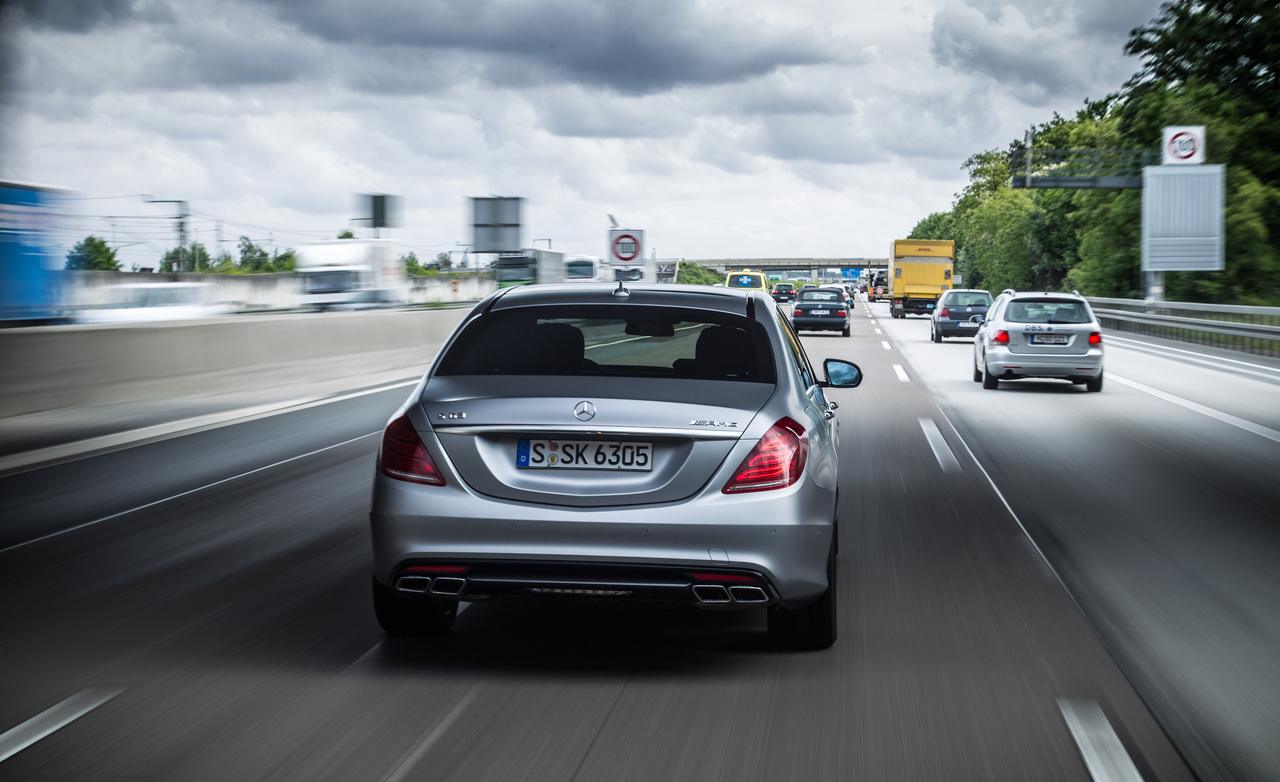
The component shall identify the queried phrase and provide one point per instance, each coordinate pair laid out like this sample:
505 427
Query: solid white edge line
21 462
1195 407
878 331
1208 356
52 719
1156 350
1005 502
1103 753
938 444
884 344
406 765
901 373
179 495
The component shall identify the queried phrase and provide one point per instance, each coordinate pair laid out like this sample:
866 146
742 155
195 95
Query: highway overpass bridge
810 265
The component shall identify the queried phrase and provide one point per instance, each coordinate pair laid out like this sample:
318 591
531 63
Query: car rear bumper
784 538
953 328
819 324
1003 362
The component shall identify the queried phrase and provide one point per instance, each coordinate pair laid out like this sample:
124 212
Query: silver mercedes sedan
662 443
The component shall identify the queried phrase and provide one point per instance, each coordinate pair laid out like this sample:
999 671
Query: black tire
412 615
989 381
847 331
935 335
1094 384
977 374
810 627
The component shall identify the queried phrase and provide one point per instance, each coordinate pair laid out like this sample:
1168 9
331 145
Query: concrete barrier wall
85 289
54 367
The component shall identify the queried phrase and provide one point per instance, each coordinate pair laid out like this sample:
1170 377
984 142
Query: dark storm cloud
78 16
632 48
1044 51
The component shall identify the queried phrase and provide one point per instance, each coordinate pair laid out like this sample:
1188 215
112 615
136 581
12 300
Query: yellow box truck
919 271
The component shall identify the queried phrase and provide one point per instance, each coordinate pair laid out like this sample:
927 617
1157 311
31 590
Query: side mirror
842 374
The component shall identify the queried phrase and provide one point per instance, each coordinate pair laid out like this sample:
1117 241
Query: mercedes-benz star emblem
584 411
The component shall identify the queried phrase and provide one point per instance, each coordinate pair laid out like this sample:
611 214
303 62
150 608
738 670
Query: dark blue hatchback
953 317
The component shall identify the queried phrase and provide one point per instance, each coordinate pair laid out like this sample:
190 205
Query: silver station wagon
666 443
1043 335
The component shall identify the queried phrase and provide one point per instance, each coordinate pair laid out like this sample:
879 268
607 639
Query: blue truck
28 276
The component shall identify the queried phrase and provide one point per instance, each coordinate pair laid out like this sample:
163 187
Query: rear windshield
969 299
812 295
744 281
617 341
1047 311
784 286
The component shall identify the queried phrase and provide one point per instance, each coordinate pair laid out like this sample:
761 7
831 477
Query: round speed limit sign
625 247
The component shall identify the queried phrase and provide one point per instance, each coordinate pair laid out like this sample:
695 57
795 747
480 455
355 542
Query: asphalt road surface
197 608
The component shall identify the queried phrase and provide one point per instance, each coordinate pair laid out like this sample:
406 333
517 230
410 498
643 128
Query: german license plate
584 455
819 312
964 324
1049 339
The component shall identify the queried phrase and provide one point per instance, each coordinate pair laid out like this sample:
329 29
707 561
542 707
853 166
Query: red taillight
404 457
944 313
1095 338
1001 337
724 578
775 462
797 313
435 570
840 313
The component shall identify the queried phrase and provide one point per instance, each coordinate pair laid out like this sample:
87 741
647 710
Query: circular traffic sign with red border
626 247
1183 145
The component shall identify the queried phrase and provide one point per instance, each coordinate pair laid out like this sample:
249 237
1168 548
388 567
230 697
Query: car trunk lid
691 428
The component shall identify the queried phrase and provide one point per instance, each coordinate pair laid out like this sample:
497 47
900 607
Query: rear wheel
412 615
935 335
977 374
810 627
989 380
847 331
1094 384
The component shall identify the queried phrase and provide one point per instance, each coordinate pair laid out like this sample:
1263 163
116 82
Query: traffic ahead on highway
661 391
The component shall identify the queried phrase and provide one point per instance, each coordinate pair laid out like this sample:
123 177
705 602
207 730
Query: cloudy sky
731 129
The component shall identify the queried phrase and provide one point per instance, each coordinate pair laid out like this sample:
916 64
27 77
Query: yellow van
747 280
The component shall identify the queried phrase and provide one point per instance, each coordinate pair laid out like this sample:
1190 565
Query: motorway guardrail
1248 329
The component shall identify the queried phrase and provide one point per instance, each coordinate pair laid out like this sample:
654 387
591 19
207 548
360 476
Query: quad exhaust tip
448 585
748 594
418 585
711 593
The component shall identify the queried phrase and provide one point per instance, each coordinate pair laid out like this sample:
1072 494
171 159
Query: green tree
192 258
443 261
346 233
254 258
94 254
697 274
411 265
285 261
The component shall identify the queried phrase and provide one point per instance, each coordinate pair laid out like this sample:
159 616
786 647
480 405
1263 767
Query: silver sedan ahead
1051 335
664 443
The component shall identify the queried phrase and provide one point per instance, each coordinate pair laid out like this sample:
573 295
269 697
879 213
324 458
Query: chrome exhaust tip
748 594
711 593
415 584
448 585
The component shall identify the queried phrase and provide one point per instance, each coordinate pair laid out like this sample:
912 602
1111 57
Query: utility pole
181 217
548 241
